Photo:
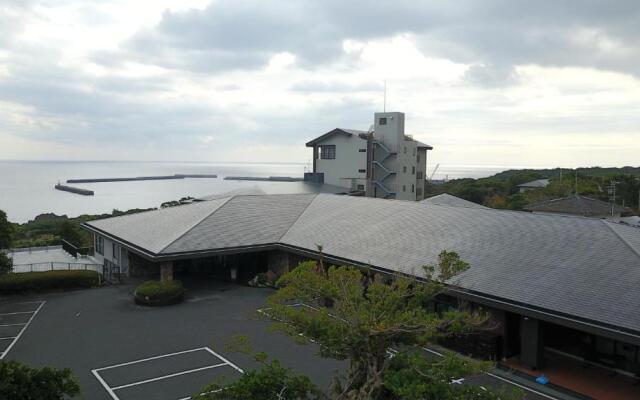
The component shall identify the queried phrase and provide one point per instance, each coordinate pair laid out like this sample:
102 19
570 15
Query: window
382 121
328 152
360 187
418 157
362 150
114 250
404 188
99 245
362 171
413 188
419 175
414 151
405 149
404 169
413 170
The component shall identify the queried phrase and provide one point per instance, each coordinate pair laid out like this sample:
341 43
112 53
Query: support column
166 271
531 343
278 262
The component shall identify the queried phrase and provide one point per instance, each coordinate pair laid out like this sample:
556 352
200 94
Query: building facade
382 163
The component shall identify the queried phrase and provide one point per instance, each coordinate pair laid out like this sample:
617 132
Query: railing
387 171
32 249
57 266
388 191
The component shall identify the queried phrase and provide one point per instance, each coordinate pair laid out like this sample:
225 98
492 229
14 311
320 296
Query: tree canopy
6 231
367 317
18 381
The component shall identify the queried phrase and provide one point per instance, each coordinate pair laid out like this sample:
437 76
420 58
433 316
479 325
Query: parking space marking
24 327
169 376
111 390
16 313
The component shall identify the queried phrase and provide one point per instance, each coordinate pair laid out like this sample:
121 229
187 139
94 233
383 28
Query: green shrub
156 293
49 280
18 381
6 263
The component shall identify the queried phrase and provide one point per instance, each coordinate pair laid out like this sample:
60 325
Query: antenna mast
384 104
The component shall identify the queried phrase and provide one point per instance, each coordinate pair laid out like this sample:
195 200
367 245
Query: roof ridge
197 223
315 196
624 240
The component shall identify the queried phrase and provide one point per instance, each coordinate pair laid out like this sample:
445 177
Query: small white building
383 162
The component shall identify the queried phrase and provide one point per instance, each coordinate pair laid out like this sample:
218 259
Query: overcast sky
486 82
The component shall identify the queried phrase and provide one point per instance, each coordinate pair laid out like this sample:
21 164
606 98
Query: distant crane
433 173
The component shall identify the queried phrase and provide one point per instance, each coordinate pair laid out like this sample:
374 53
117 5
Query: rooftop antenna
384 104
576 182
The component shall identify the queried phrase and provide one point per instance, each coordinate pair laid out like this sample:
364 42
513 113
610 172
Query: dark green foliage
6 263
361 317
72 233
416 376
156 293
19 382
49 280
6 231
272 381
501 190
48 229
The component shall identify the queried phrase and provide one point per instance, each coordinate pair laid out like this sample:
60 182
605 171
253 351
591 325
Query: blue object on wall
543 380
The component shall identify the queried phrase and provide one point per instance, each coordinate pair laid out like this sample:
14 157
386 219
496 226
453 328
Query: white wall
343 171
122 260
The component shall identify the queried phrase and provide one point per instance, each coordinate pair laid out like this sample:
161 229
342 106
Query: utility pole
576 182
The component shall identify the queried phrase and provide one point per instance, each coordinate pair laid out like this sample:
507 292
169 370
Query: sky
486 82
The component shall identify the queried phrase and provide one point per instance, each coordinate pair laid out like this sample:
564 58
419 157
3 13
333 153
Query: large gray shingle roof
588 268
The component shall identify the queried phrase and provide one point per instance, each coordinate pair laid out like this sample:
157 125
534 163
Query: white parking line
16 313
23 323
169 376
7 338
26 325
150 358
111 390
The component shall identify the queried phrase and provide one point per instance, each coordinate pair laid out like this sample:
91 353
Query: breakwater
75 190
264 179
142 178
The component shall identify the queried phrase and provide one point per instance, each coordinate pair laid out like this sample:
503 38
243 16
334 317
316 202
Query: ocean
27 187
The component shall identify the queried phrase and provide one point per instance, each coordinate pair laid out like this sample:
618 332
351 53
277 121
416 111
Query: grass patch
156 293
14 283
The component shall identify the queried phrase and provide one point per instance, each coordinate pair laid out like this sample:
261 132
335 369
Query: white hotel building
382 163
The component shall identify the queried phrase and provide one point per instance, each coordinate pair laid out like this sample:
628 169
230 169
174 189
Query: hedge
48 280
156 293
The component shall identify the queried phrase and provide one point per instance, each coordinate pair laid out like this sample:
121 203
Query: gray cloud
243 35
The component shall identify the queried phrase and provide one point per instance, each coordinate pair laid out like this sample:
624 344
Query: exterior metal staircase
387 172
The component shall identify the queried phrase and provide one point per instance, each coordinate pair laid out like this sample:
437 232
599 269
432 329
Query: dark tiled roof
577 205
587 268
336 131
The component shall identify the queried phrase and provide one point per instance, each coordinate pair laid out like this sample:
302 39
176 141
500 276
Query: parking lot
121 351
15 318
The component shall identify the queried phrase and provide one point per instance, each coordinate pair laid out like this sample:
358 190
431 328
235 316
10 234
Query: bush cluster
48 280
18 381
156 293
